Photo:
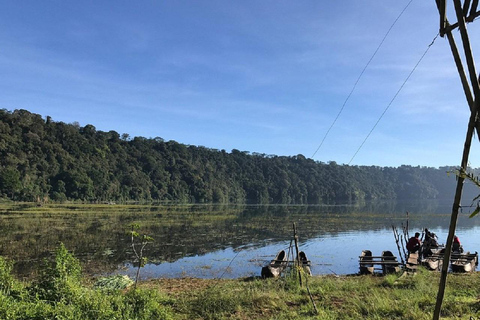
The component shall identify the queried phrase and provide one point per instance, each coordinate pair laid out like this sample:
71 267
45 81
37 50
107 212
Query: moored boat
305 263
433 259
464 262
433 263
276 266
389 263
366 262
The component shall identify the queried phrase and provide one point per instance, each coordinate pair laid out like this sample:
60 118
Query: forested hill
44 159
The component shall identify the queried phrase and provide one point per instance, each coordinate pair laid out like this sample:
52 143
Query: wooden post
295 237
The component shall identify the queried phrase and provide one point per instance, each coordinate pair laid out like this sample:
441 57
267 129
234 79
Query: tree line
43 159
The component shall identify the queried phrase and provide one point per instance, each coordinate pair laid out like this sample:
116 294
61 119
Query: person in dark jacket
430 239
414 243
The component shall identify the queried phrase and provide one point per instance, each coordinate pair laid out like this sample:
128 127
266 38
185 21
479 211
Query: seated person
457 247
414 243
430 239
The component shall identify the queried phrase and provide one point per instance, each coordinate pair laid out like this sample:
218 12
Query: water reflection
213 241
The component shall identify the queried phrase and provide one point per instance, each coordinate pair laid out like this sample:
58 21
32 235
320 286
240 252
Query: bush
8 284
59 279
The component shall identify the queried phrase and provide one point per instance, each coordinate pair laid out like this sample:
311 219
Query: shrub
59 279
8 284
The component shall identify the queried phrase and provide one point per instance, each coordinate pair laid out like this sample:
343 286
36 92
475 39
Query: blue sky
260 76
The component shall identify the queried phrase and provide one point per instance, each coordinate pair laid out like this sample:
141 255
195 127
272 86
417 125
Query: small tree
138 248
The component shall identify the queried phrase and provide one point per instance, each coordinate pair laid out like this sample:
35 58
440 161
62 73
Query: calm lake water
219 241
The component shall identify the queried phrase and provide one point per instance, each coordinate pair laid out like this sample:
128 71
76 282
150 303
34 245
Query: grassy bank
60 292
355 297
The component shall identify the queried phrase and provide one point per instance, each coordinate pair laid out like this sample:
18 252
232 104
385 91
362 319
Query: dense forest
44 160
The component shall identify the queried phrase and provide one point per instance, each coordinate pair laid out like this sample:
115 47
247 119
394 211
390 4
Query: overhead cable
360 76
394 97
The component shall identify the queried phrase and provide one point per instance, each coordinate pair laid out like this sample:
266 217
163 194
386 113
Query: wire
394 97
360 76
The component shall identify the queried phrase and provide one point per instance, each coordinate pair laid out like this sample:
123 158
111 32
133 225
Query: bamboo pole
442 8
466 6
458 62
453 220
311 299
295 237
467 48
473 11
311 296
300 268
460 69
464 163
463 76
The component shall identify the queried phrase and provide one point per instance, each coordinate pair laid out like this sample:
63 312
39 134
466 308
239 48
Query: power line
360 76
394 97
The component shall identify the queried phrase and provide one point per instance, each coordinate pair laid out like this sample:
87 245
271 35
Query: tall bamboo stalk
464 163
295 237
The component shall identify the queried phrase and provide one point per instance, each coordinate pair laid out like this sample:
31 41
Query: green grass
362 297
60 292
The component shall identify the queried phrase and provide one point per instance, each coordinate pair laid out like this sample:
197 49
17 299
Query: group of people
414 243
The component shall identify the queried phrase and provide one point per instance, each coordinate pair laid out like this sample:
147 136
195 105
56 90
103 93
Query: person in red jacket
457 247
414 243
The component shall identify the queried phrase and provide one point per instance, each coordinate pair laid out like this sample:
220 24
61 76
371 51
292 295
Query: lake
217 241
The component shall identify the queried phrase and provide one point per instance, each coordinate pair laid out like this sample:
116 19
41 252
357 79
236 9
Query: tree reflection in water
201 240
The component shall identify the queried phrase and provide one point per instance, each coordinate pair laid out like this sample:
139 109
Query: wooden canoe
366 262
389 263
305 263
434 263
433 259
276 266
465 262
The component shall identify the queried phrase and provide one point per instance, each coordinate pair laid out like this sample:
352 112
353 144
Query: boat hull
366 262
465 262
276 266
305 263
389 263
